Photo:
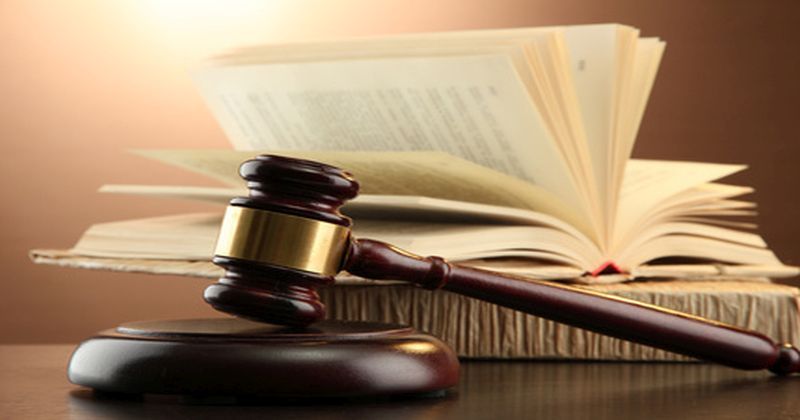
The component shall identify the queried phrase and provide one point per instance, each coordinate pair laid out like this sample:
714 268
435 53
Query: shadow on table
508 390
85 402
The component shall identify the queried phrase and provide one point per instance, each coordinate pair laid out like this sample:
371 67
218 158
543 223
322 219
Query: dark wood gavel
288 237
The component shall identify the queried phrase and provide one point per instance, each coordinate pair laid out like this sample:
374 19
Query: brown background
82 81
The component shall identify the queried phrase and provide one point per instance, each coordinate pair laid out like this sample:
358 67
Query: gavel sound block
231 357
288 358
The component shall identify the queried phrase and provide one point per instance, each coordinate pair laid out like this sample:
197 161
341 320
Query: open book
507 147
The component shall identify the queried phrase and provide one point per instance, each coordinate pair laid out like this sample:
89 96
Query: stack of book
503 149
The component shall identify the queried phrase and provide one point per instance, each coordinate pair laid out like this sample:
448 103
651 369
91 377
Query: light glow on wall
194 29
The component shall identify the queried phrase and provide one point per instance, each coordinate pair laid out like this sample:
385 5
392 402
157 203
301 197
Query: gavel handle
617 317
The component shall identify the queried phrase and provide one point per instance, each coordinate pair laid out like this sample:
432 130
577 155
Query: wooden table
33 385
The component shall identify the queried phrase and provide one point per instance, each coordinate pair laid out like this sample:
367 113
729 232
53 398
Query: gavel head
282 241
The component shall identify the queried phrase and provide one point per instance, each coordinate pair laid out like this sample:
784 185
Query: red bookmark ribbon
608 267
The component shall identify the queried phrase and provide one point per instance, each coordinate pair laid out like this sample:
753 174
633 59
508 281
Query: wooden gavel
288 238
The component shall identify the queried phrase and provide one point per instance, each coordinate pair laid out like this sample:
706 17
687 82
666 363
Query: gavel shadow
491 389
89 403
614 390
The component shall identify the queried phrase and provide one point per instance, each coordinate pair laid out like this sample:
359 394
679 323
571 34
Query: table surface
33 384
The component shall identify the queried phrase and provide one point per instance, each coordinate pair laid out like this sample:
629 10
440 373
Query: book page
473 107
716 222
178 237
539 56
192 237
649 182
718 205
704 193
381 207
696 230
460 242
698 199
697 247
715 208
414 208
553 91
429 174
632 103
600 59
705 199
648 54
